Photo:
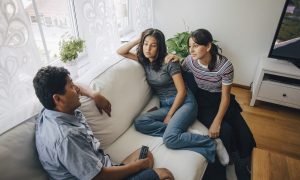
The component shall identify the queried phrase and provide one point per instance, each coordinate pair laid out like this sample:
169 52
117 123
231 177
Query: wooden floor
275 128
264 168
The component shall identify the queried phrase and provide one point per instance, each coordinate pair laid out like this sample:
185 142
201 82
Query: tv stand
277 82
297 65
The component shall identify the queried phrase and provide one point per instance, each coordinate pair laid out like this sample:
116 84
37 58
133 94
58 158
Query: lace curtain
142 14
19 61
97 24
19 58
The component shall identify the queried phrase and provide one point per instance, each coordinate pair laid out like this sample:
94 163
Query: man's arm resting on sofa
121 172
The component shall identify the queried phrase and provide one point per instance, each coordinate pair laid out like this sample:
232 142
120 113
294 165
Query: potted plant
179 44
69 49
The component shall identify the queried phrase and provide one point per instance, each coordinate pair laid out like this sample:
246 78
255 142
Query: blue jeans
147 174
175 135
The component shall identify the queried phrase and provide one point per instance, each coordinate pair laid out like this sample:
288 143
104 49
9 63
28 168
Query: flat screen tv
286 42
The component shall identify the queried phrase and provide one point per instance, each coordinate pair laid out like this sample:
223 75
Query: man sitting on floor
65 143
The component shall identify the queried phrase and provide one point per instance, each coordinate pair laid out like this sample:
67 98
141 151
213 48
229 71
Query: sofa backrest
18 155
125 86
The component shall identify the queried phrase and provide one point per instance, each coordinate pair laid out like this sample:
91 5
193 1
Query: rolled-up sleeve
78 157
173 68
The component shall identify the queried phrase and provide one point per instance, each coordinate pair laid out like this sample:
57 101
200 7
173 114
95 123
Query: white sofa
124 84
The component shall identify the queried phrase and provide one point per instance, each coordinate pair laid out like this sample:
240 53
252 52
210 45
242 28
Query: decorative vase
71 66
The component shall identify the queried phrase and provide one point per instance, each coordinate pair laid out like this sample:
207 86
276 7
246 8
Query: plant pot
72 67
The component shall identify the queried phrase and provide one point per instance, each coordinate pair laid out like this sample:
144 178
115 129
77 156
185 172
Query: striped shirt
210 80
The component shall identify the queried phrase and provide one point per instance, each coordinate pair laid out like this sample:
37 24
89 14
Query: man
65 143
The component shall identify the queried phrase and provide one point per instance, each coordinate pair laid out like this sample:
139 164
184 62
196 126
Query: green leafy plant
69 49
179 44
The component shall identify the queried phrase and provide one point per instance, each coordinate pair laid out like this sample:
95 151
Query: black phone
144 152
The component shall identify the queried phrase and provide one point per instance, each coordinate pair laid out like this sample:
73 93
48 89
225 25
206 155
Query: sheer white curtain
19 61
97 24
142 14
19 57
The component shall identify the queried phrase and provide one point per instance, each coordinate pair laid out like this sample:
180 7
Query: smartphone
144 152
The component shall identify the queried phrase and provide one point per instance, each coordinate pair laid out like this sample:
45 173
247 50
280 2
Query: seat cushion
184 164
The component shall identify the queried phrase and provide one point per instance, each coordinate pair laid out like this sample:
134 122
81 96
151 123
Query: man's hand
151 159
172 58
164 174
102 103
135 157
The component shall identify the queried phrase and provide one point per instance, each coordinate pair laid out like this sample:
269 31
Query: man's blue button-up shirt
66 146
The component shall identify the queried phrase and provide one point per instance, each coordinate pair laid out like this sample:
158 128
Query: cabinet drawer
280 92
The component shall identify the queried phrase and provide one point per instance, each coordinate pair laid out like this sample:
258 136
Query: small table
268 165
276 82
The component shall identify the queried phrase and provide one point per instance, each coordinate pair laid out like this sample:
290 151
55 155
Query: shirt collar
61 117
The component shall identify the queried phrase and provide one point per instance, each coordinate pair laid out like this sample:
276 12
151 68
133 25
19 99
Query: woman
217 108
178 107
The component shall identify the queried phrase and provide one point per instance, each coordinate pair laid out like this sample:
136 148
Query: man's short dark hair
48 81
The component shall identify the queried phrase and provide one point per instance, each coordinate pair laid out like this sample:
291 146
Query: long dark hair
204 37
161 48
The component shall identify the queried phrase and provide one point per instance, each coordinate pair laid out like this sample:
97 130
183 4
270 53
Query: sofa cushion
125 86
184 164
18 155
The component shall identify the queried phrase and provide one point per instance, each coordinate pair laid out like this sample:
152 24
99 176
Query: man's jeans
175 135
147 174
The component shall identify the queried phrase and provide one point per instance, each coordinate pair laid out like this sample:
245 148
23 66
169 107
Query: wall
244 29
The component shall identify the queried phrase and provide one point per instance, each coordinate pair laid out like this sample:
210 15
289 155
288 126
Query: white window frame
128 33
31 17
39 22
129 29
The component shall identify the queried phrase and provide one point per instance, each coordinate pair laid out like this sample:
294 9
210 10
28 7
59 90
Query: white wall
244 28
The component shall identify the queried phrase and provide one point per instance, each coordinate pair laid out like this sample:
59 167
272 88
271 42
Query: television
286 42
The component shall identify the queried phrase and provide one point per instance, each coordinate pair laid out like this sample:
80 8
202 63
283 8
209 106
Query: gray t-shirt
66 146
161 81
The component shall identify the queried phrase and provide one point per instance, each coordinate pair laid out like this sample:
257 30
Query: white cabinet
277 82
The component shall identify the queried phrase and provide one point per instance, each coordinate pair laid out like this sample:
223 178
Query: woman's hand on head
137 39
171 58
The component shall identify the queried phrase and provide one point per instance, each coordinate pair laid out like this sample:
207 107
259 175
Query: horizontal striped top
210 80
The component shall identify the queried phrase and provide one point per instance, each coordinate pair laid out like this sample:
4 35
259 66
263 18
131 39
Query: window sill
127 37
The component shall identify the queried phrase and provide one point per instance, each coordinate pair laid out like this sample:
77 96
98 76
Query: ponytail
214 51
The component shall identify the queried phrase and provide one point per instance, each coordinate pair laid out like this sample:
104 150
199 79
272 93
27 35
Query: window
48 21
123 17
51 20
33 19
